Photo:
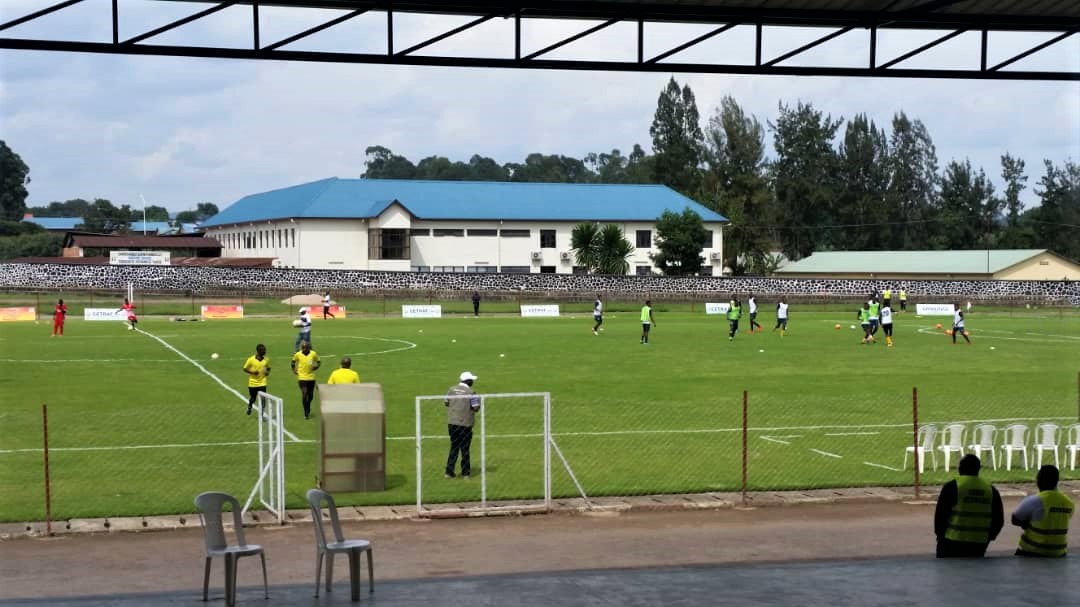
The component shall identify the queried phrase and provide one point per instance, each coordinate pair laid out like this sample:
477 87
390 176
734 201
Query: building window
482 269
420 232
705 270
643 270
515 269
388 244
515 233
708 242
484 232
580 270
421 268
447 268
547 269
448 232
294 237
644 239
547 239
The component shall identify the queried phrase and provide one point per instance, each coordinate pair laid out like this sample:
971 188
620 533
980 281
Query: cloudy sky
180 131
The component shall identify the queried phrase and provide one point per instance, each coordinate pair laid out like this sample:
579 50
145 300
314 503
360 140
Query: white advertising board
540 310
104 314
139 258
421 311
934 309
717 308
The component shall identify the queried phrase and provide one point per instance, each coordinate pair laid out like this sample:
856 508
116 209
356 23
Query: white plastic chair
1046 439
354 548
210 505
983 436
926 446
1072 448
952 441
1015 441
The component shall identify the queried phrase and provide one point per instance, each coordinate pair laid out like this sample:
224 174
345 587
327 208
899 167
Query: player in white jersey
304 323
958 324
597 314
781 316
886 321
752 301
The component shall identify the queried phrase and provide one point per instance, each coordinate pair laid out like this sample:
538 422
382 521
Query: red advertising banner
222 312
18 314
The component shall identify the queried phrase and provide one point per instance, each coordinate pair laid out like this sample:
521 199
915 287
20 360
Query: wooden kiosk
352 438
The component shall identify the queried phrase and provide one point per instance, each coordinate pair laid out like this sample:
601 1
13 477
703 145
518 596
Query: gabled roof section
911 262
462 200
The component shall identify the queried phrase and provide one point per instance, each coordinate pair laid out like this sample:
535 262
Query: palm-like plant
602 250
583 240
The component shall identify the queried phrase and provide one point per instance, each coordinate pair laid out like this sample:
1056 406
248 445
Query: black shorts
253 393
887 328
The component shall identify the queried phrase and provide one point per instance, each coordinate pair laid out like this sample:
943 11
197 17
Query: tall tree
639 166
913 179
381 163
864 181
609 167
679 241
1014 236
736 186
552 168
104 217
601 250
14 175
1056 221
76 207
967 210
804 176
440 167
678 143
153 213
486 169
202 212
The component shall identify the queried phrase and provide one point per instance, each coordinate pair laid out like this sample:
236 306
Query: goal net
270 485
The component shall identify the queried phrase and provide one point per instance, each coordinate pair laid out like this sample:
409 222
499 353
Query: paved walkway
855 547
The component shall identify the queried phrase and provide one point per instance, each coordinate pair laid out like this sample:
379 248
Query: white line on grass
131 447
851 433
774 440
981 334
883 466
244 399
827 454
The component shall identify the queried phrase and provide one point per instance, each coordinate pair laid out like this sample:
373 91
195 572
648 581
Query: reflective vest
874 309
864 316
1046 536
970 518
887 294
903 295
646 314
734 311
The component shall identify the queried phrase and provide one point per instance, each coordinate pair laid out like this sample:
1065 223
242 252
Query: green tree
678 143
14 175
76 207
601 250
104 217
36 244
440 167
804 177
1056 221
735 184
679 242
913 179
550 169
381 163
16 228
864 181
639 166
1015 236
609 168
153 213
967 208
482 168
202 212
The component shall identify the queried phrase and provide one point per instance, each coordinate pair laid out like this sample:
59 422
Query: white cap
303 310
465 376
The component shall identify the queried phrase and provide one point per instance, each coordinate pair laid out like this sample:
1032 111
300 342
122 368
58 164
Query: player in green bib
647 321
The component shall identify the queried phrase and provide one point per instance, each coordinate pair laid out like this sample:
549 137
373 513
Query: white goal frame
484 507
270 485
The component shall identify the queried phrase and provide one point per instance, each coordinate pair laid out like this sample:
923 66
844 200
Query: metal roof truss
921 17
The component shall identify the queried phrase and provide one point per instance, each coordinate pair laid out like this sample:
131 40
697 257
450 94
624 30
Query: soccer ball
937 326
131 328
948 331
214 356
837 325
297 323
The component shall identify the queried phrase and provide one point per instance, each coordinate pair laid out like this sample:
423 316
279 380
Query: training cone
948 331
837 325
937 326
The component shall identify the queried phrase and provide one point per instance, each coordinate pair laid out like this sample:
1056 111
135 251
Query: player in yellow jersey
257 368
304 365
344 375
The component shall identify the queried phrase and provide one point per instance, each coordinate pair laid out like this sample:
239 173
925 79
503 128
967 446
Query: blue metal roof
336 198
55 223
160 227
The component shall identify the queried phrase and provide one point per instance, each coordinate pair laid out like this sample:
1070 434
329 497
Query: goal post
270 484
511 457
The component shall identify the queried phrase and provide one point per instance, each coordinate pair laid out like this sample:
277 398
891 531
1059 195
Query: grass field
140 422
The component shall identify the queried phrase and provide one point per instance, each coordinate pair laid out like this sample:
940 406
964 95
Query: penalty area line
206 372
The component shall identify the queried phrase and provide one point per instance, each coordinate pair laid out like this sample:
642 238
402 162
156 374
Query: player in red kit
129 308
59 315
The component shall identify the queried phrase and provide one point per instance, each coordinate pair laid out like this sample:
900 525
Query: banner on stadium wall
421 311
540 310
18 314
717 308
104 314
217 312
316 311
934 309
139 258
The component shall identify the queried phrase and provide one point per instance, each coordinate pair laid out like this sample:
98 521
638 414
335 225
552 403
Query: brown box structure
352 437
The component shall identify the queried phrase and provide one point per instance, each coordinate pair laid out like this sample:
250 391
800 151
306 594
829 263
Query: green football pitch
139 422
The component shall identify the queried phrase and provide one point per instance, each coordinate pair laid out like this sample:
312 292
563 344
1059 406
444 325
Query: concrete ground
862 547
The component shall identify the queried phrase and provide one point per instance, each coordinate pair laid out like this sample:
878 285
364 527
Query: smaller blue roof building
55 224
448 226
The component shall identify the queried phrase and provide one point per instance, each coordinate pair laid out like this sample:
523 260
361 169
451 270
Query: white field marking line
883 466
229 388
774 440
131 447
851 433
827 454
1046 338
89 360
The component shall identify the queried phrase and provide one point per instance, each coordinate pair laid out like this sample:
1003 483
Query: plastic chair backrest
315 498
210 505
1016 435
1046 434
926 436
953 436
1074 434
984 434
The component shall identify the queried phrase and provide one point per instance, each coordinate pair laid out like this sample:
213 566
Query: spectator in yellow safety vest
969 513
1044 517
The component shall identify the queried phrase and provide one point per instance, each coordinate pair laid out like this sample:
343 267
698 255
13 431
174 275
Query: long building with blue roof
447 226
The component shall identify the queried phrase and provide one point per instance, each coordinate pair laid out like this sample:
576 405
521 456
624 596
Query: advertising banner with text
218 312
934 309
104 314
18 314
421 311
540 310
717 308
